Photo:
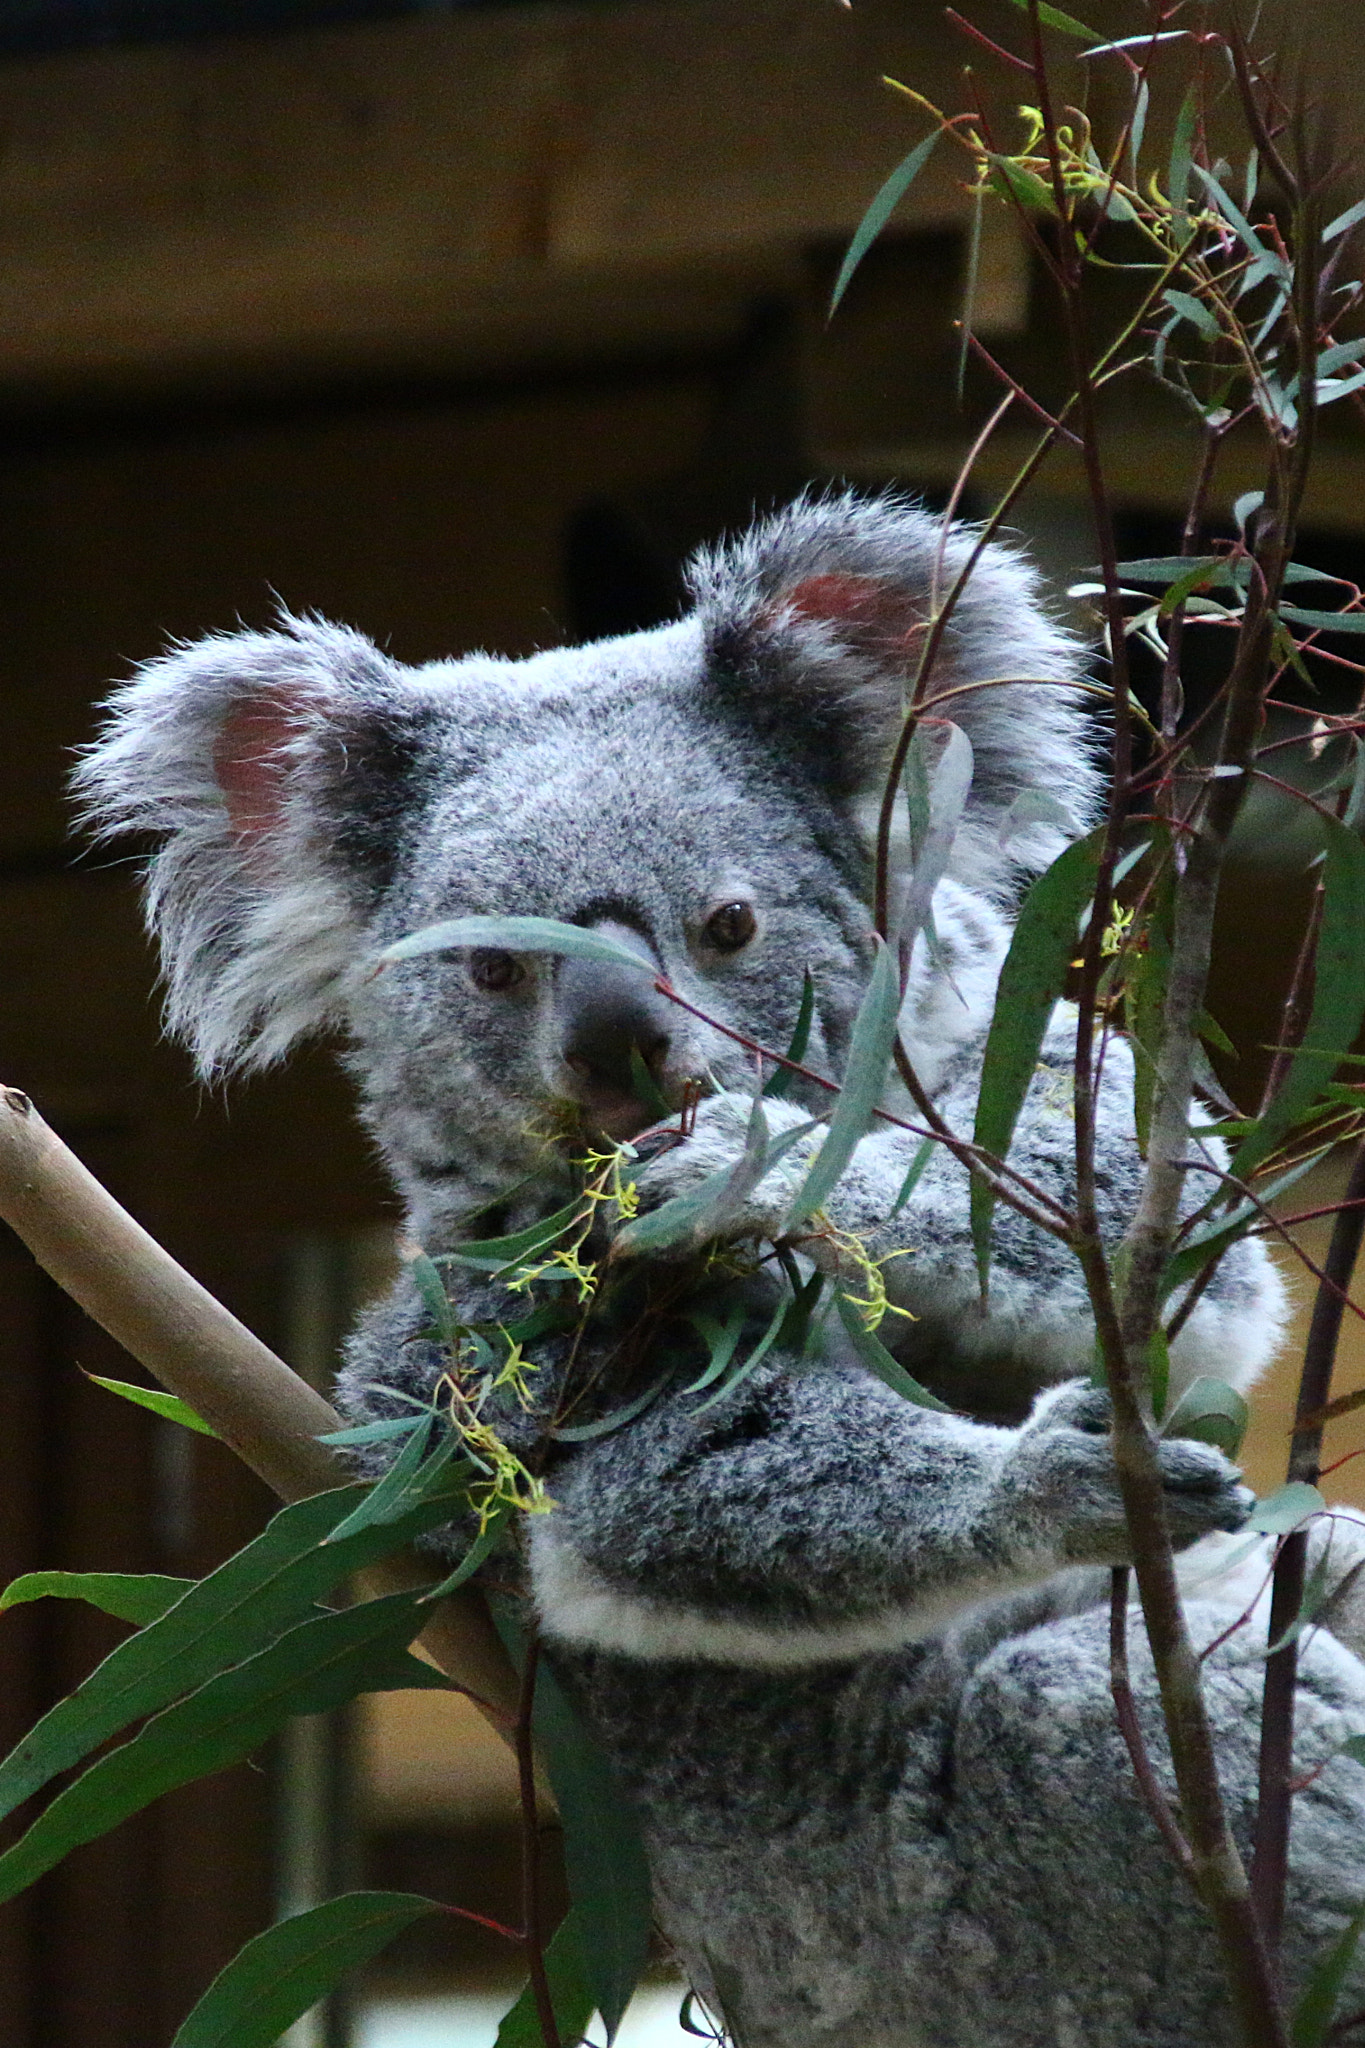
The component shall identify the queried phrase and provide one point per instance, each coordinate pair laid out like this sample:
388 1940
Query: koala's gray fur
832 1640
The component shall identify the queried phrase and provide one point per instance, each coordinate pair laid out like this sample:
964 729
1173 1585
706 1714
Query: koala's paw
1063 1479
754 1203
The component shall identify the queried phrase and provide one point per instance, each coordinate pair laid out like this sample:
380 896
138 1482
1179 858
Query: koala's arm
1036 1329
818 1508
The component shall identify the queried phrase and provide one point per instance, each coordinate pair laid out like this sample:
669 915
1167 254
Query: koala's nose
607 1012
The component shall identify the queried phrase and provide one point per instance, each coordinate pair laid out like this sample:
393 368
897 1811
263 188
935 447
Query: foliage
1240 309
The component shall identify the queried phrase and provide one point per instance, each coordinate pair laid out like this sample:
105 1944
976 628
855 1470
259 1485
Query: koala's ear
273 768
814 621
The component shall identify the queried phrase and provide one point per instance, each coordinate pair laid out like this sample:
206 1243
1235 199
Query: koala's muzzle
609 1015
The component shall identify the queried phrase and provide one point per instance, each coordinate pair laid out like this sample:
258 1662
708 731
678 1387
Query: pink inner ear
251 762
867 611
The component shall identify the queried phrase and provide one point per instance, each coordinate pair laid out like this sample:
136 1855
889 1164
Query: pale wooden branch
132 1287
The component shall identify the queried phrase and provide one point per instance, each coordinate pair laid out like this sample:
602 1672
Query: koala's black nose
606 1013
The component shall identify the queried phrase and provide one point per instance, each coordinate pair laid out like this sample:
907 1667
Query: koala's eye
494 971
731 927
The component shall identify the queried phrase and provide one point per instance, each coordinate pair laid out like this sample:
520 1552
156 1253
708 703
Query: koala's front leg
816 1514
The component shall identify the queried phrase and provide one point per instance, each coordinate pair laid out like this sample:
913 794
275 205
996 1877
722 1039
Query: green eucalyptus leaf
869 1057
604 1855
413 1477
924 1152
607 1425
875 1356
1066 24
140 1597
1316 2008
939 780
1323 622
1210 1412
516 935
316 1666
569 1994
721 1341
1031 984
1317 1591
281 1974
1195 311
1287 1508
500 1254
1338 996
169 1406
780 1082
1182 155
1344 222
246 1603
879 213
751 1364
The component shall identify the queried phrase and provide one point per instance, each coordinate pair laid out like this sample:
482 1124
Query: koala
847 1653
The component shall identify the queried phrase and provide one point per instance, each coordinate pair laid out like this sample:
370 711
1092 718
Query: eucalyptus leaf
887 199
1031 984
750 1364
1338 995
943 766
140 1597
1211 1412
500 1254
248 1602
869 1057
875 1356
1323 622
721 1341
1316 2008
604 1856
169 1406
1053 17
569 1994
281 1974
1287 1508
316 1666
1182 154
516 935
780 1082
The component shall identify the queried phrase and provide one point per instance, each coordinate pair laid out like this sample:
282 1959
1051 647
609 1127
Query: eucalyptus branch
1270 1863
128 1284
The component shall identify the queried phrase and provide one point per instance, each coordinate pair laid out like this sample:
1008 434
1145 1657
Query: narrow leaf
515 935
1195 311
1182 155
721 1340
1344 221
1031 984
1338 995
140 1597
1287 1508
317 1666
1211 1412
1324 622
1318 2002
779 1082
499 1254
161 1403
944 765
606 1425
569 1995
875 1356
924 1152
869 1057
281 1974
1053 17
247 1602
604 1856
880 212
751 1364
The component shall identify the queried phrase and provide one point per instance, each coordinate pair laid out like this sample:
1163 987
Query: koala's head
700 791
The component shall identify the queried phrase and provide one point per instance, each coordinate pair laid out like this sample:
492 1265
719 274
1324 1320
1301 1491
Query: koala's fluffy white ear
814 622
265 764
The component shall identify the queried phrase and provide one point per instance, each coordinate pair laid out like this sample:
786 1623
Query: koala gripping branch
132 1287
